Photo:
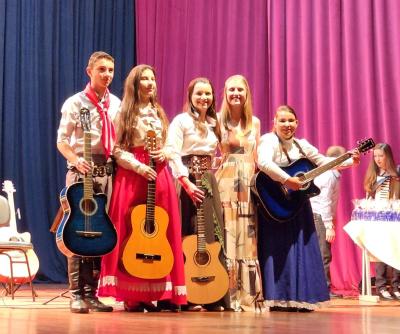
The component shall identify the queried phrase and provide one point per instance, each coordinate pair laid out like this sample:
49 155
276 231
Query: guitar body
280 203
206 279
148 255
10 235
20 271
72 236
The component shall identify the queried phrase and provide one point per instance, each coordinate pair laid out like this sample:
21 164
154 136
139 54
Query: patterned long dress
233 177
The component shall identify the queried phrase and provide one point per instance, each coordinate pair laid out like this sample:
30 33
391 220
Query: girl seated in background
382 182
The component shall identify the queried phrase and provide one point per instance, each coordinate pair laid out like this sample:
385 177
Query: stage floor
346 315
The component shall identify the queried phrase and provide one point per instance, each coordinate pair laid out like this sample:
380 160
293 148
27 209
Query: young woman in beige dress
240 132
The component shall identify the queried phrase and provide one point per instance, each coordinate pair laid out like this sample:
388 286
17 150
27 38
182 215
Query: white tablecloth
381 239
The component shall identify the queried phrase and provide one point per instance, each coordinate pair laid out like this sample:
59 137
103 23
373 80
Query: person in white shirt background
324 209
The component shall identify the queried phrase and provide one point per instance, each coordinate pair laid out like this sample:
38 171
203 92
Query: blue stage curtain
44 49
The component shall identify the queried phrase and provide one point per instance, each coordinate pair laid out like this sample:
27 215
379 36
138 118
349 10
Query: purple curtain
336 62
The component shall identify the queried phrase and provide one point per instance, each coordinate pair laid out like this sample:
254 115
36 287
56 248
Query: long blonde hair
130 107
246 117
373 169
191 110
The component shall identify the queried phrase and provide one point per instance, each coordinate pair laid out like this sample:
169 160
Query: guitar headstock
8 187
84 116
365 145
151 141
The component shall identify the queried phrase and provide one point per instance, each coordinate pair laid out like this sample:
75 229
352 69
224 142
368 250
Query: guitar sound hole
149 228
202 258
88 206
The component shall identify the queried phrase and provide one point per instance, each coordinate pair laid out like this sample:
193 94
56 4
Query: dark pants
324 246
381 271
84 276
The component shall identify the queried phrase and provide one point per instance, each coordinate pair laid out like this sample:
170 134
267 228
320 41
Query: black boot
93 303
77 304
91 275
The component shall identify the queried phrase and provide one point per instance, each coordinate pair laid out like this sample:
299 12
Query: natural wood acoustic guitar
147 252
206 278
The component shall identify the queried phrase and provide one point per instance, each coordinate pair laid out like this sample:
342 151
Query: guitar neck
13 220
201 226
151 197
88 178
312 174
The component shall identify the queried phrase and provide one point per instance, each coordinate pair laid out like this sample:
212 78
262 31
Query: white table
379 241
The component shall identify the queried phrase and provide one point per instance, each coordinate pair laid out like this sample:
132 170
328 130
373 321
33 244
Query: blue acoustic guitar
282 204
85 229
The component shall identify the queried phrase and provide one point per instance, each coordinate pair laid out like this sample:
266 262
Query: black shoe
96 305
167 306
282 309
149 307
304 310
78 305
133 307
384 294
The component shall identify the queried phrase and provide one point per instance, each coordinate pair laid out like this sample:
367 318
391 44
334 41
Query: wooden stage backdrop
22 316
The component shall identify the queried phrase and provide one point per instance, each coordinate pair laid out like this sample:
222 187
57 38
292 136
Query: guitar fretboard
151 201
312 174
87 154
201 228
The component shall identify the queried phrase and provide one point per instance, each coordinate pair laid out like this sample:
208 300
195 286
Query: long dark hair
373 169
130 107
191 110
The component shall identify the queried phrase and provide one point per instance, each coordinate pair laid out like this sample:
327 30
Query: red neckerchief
107 129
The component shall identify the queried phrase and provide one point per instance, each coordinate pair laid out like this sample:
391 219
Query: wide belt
99 170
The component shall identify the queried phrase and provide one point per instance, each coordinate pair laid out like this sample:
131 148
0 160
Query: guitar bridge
89 235
148 257
203 279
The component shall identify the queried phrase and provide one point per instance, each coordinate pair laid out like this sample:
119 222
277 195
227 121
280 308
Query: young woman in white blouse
289 255
140 112
193 137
